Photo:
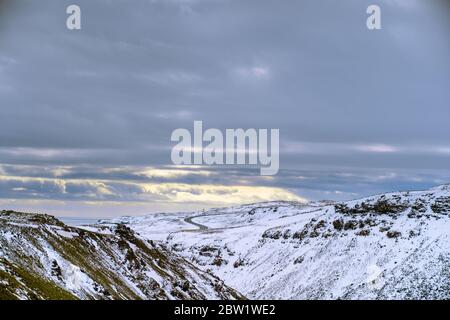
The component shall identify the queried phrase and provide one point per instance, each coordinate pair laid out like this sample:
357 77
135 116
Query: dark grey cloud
346 99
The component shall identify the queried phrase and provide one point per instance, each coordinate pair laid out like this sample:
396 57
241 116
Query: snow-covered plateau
389 246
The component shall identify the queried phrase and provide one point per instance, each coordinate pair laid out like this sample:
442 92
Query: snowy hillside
392 246
41 258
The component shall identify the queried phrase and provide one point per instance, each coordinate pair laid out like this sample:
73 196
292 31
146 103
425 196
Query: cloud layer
87 115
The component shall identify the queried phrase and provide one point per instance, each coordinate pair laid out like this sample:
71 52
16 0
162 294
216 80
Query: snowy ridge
41 258
390 246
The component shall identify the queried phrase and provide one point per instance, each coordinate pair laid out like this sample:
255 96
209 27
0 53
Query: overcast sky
86 115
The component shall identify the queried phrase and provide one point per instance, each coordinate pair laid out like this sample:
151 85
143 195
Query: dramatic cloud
87 115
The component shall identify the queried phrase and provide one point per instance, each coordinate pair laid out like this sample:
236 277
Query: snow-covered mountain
390 246
41 258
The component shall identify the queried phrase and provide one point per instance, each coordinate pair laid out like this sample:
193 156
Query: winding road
198 225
